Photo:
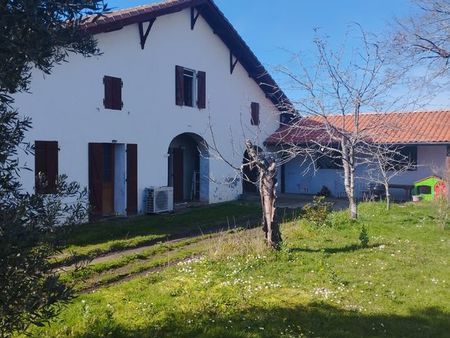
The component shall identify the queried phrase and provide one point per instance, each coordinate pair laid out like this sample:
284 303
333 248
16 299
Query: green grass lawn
96 239
321 284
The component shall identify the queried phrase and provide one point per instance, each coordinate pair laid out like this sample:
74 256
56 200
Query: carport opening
249 174
188 168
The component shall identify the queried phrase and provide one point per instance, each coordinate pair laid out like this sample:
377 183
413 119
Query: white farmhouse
140 114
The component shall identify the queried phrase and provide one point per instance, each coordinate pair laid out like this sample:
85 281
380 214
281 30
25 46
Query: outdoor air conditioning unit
158 200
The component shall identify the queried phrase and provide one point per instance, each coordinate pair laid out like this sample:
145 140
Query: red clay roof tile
391 128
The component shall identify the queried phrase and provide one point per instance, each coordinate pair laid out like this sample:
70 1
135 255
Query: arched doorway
188 168
249 174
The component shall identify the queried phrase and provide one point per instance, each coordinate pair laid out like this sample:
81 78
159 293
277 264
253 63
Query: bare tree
333 92
424 38
384 163
267 168
266 161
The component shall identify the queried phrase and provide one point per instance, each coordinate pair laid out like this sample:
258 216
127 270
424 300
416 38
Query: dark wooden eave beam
233 63
194 17
144 35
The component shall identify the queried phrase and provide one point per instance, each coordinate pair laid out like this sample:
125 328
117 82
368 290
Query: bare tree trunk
268 198
349 180
267 190
388 196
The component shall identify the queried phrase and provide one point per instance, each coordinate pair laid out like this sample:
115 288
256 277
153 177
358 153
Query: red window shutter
201 89
52 167
179 87
107 100
46 166
113 93
117 93
132 172
39 165
95 180
255 113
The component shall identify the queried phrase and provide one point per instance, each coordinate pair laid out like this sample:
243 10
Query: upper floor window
46 166
190 87
329 160
406 155
113 93
254 107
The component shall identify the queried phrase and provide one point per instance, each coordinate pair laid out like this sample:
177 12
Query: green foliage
30 292
364 237
317 211
40 34
340 219
34 34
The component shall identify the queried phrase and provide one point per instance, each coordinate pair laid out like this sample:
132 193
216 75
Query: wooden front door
177 172
101 179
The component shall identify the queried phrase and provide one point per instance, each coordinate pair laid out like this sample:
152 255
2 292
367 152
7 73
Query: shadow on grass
314 320
347 248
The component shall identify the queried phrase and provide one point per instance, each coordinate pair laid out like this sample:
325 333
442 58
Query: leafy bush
317 211
364 237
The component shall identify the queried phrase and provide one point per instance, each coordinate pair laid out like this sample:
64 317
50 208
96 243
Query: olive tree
34 36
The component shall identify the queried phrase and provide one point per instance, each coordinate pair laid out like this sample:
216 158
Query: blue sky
275 28
270 27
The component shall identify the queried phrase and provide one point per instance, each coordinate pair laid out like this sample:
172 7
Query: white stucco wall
430 159
67 106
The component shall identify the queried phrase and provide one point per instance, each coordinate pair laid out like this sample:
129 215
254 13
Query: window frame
194 90
198 94
336 161
411 153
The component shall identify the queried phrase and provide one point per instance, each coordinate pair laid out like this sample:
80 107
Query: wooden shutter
96 179
201 90
117 93
255 113
113 93
46 166
132 172
52 167
179 85
39 165
107 100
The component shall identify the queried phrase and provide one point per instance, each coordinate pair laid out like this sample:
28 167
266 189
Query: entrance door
178 181
101 179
